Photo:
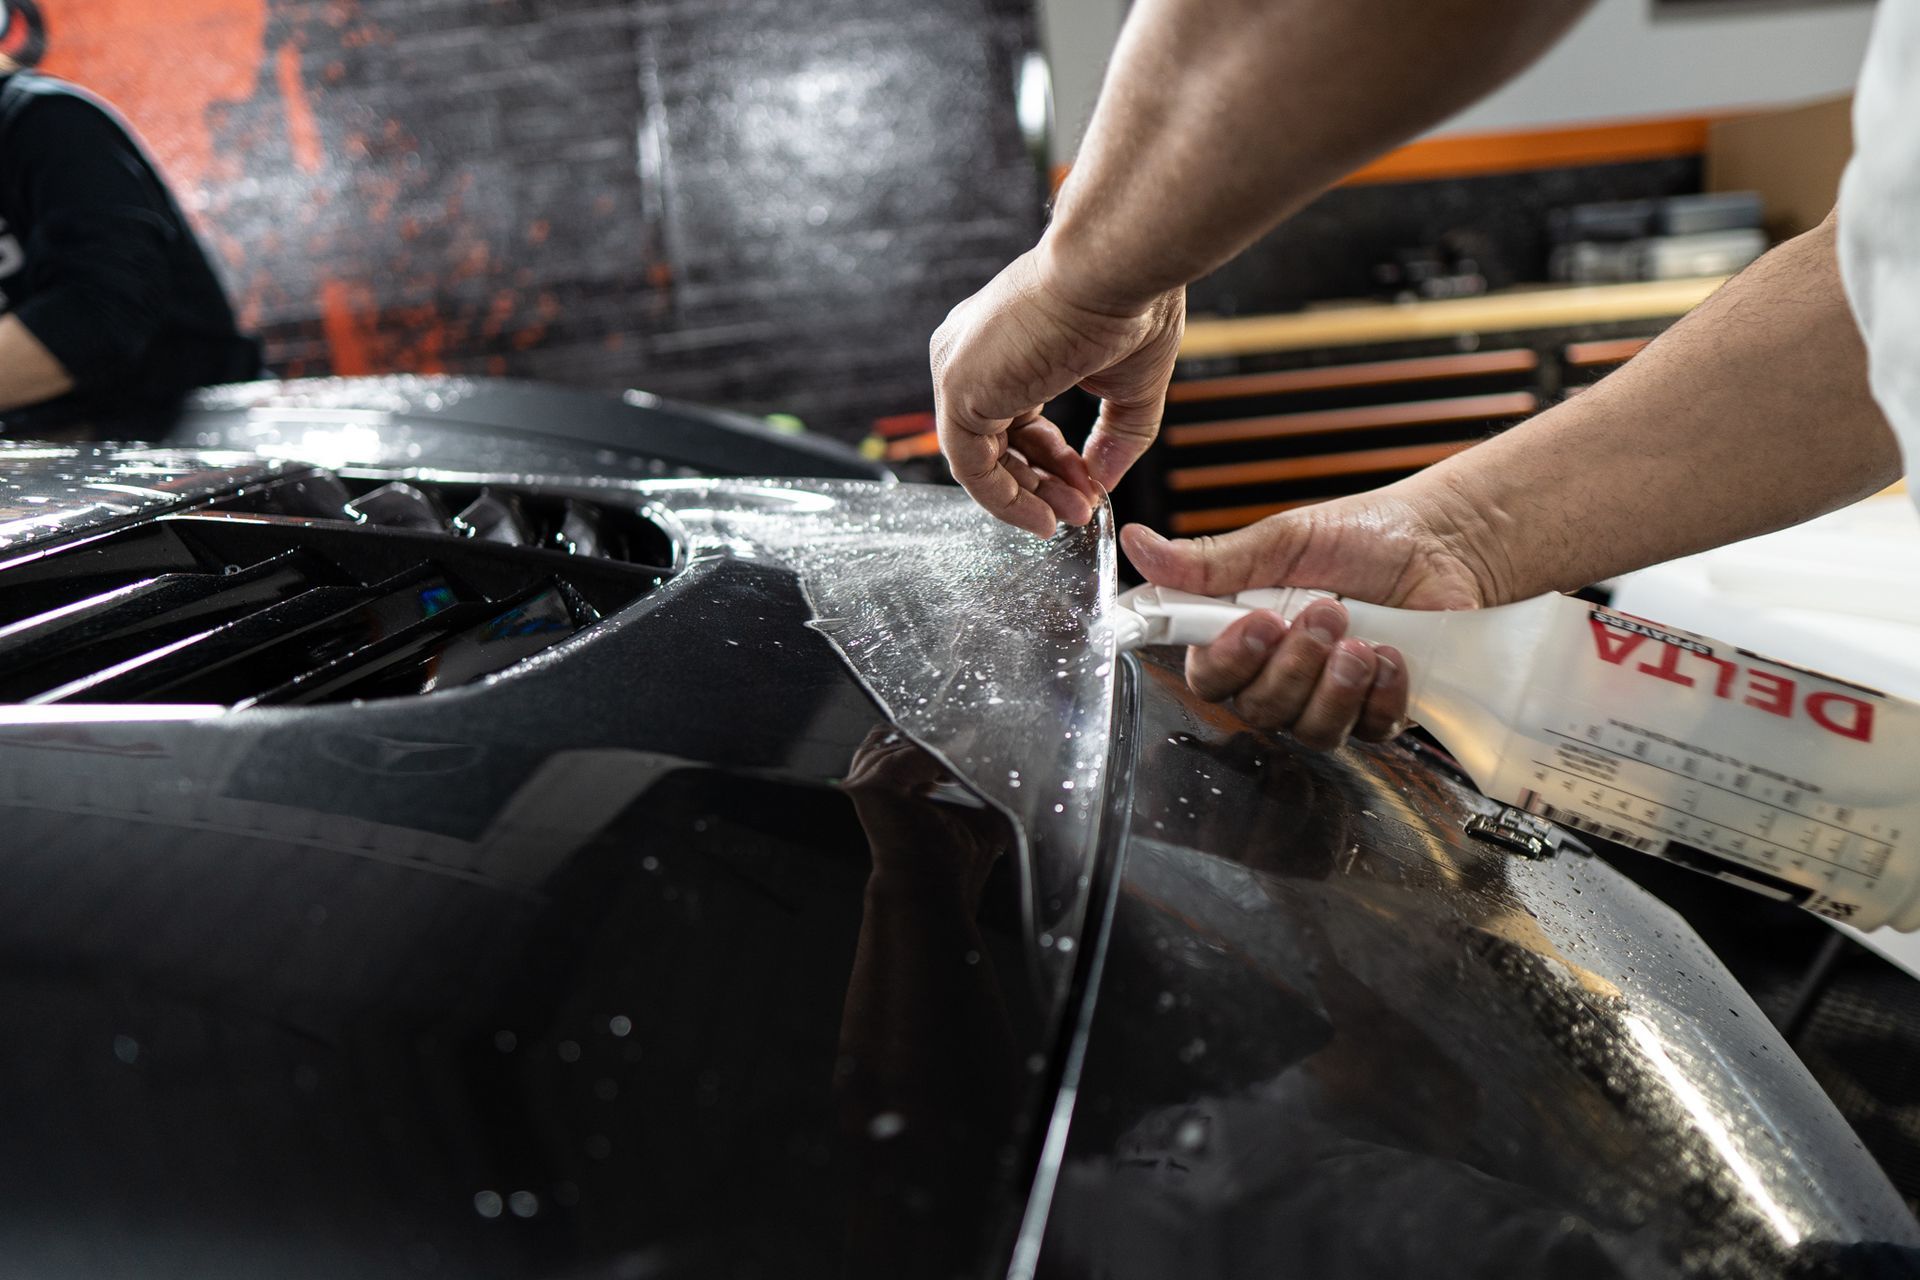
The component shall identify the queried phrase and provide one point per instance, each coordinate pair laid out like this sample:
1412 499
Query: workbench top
1362 323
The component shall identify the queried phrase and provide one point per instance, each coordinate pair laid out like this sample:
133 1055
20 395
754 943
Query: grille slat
268 649
312 589
364 667
487 647
66 644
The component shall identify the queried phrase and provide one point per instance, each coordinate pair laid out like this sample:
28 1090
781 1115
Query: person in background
1221 117
109 310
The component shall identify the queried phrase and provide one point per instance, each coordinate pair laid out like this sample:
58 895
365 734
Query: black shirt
100 265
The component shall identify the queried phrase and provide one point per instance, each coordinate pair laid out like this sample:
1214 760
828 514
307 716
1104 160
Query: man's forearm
29 373
1751 414
1221 117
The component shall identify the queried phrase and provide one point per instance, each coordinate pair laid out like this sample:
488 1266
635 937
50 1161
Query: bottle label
1755 771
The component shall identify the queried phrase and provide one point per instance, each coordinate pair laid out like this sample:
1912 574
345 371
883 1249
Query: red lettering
1723 686
1777 700
1669 666
1860 729
1613 646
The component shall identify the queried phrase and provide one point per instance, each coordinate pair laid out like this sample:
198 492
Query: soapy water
988 647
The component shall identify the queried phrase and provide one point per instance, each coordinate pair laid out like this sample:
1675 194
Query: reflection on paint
97 485
1712 1126
987 646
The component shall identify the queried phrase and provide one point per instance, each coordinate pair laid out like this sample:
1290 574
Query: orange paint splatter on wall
348 322
166 67
303 135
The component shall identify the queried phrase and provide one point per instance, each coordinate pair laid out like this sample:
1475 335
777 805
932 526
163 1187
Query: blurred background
769 205
745 202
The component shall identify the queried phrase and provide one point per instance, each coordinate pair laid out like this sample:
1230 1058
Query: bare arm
1218 118
1221 117
1751 414
29 373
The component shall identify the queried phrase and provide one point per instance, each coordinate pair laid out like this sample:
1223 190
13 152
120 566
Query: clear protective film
52 491
992 649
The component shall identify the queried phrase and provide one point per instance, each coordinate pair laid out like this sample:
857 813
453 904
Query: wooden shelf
1383 322
1418 413
1342 377
1593 355
1314 466
1222 519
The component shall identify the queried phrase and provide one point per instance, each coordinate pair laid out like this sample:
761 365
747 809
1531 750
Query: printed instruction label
1668 743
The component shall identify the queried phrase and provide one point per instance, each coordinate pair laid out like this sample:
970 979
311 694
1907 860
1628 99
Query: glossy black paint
662 955
673 937
1363 1044
444 418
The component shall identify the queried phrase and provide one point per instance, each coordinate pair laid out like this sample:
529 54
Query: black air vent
283 607
510 515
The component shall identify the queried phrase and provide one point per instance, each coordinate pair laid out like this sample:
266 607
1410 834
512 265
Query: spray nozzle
1161 615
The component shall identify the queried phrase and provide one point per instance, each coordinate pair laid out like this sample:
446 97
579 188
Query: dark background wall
762 203
1330 248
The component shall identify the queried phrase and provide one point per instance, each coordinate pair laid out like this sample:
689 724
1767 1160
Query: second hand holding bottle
1788 782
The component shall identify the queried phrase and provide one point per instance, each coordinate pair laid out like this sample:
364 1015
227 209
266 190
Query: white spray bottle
1779 779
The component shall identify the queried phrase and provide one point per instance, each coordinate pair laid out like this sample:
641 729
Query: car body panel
690 946
1366 1044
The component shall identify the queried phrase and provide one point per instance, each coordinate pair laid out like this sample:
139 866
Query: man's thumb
1256 556
1120 436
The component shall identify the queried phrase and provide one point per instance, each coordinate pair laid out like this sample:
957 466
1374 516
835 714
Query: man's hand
1019 342
1305 678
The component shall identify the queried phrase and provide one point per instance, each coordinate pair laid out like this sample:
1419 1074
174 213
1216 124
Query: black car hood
665 952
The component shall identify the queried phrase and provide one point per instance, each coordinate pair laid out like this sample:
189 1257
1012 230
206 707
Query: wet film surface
989 647
50 491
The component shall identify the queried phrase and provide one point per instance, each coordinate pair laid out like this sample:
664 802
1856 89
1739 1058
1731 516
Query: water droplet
524 1204
620 1024
505 1041
888 1124
126 1048
568 1051
487 1204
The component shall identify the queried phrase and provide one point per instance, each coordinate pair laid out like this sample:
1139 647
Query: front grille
314 589
507 515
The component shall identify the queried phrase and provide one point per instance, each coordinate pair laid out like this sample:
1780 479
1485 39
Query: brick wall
762 203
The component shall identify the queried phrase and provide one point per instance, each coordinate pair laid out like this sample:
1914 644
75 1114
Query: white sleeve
1879 234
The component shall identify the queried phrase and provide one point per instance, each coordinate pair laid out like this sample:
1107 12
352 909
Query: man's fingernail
1388 667
1262 634
1347 667
1323 625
